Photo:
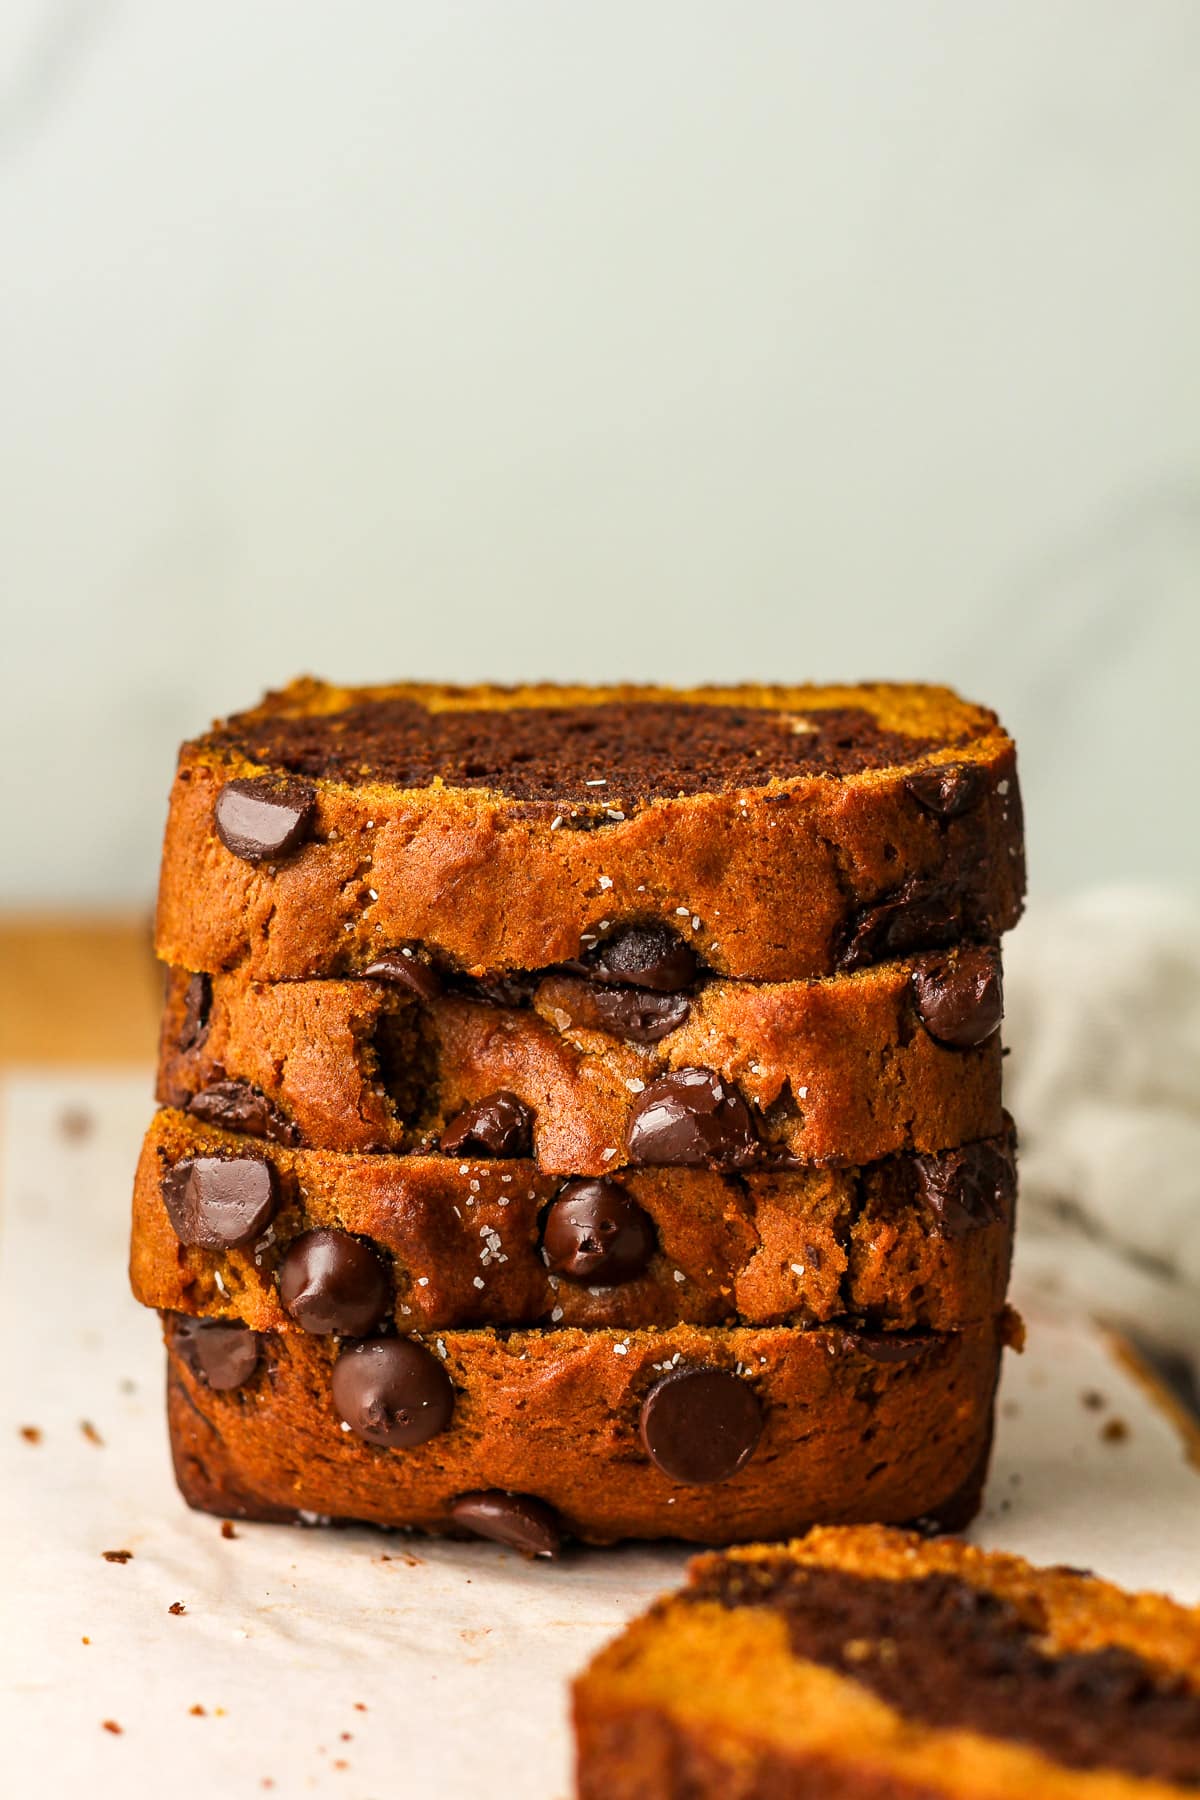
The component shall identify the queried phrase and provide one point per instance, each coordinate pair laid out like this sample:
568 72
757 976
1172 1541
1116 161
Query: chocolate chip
219 1352
514 989
197 1007
948 790
500 1125
631 1013
701 1425
404 968
597 1233
646 956
515 1519
219 1202
960 998
886 1346
332 1282
237 1106
391 1391
261 819
691 1118
922 916
969 1188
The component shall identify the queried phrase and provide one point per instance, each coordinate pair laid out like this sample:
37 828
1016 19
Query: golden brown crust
804 1247
699 1700
555 1415
770 880
839 1069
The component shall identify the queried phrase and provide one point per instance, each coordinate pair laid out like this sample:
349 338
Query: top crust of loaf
597 748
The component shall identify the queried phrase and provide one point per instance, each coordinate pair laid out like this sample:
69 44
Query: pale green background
675 340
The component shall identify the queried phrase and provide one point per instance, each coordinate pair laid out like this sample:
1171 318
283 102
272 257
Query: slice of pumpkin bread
868 1665
784 831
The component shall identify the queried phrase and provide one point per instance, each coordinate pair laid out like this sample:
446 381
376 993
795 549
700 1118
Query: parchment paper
353 1663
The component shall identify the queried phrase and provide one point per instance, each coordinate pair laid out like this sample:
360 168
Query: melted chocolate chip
390 1391
500 1125
262 819
514 989
948 790
631 1013
691 1118
220 1202
886 1346
404 968
969 1188
960 998
701 1425
237 1106
518 1520
219 1352
922 916
332 1282
645 956
597 1233
197 1008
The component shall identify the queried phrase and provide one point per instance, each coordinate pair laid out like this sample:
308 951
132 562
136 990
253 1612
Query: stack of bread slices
580 1109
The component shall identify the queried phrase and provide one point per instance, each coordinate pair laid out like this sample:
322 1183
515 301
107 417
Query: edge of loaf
848 1069
904 1244
603 1427
863 853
